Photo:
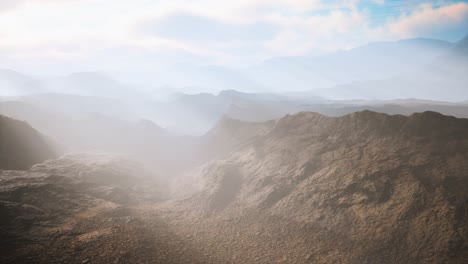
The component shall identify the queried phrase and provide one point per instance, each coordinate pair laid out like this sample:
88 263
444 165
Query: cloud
6 5
189 27
329 31
109 33
427 20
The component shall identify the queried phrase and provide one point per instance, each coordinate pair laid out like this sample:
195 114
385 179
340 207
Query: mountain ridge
364 187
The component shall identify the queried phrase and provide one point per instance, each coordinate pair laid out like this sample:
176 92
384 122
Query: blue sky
380 13
61 36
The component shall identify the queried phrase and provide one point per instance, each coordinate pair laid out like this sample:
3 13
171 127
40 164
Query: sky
63 36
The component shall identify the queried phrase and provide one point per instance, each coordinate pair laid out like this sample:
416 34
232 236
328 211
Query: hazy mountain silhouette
91 84
195 114
208 78
262 111
375 61
14 83
79 105
412 68
461 47
21 146
442 78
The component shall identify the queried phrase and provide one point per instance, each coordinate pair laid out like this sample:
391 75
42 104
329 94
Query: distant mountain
442 78
453 63
461 48
13 84
21 146
196 113
45 120
234 96
189 113
374 61
79 105
91 84
98 132
258 111
204 78
94 84
379 60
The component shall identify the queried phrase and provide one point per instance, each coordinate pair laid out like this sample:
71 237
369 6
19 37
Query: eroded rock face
363 188
21 146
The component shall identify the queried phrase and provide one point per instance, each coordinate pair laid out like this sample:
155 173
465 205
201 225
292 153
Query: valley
237 132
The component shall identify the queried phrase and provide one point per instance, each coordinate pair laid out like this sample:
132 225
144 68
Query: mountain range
357 72
443 78
365 187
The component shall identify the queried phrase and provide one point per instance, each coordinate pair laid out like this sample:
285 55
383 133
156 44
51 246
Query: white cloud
103 33
190 27
303 34
426 19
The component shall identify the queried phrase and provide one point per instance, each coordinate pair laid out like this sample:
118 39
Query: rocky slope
307 188
21 146
68 205
362 188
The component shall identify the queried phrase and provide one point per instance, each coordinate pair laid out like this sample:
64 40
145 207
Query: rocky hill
21 146
307 188
362 188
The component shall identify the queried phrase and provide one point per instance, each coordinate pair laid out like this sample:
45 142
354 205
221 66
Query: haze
211 43
263 131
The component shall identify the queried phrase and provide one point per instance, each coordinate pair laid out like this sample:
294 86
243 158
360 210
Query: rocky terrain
362 188
307 188
66 202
